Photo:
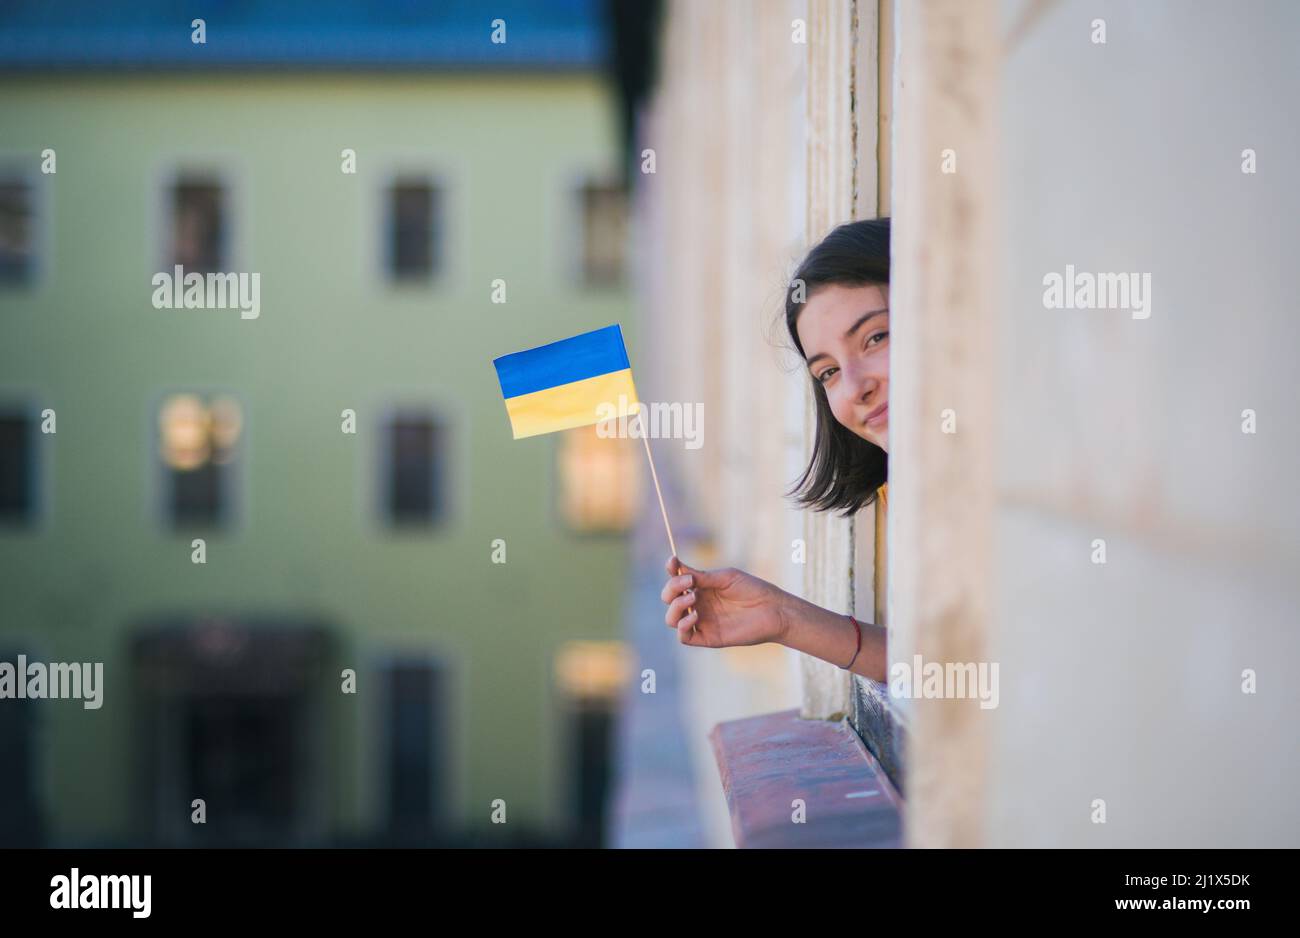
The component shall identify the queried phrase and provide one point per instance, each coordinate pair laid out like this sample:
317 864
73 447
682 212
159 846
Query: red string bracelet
857 650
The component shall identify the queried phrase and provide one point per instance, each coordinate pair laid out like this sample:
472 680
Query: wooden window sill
881 728
768 761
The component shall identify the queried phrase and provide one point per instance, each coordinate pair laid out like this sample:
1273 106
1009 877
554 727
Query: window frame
441 733
555 478
42 455
441 176
571 224
374 732
37 648
437 484
374 465
235 487
880 720
227 172
17 166
852 86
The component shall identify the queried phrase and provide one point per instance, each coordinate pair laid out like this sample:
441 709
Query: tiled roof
332 34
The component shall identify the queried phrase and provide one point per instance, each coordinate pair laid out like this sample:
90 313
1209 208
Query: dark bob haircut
845 470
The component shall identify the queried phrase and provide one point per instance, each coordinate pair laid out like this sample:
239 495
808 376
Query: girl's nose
860 381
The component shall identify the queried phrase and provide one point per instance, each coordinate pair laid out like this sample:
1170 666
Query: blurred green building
413 199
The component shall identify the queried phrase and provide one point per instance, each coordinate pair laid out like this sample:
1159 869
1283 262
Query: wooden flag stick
645 438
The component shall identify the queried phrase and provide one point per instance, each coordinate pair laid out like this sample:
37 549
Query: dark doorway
233 713
592 730
20 807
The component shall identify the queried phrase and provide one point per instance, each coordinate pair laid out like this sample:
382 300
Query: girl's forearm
831 636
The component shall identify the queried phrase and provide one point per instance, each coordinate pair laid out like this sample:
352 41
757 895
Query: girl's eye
826 374
879 335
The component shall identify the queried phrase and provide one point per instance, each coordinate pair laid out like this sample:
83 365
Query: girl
837 313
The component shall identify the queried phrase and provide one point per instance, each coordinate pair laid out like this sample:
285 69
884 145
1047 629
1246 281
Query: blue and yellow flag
574 382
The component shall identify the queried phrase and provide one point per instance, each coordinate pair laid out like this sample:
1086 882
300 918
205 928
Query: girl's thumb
705 578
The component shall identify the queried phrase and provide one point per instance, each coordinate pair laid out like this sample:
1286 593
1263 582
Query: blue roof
143 34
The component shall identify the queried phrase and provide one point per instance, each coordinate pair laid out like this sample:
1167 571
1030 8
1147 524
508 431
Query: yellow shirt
883 494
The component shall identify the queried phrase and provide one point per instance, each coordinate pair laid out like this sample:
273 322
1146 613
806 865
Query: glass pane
198 227
16 233
413 235
414 483
17 468
604 236
198 440
599 481
412 769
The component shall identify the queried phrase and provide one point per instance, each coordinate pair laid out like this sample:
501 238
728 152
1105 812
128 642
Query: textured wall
1123 681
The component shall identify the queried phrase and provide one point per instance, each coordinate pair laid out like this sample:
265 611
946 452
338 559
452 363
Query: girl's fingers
675 587
677 608
686 633
675 567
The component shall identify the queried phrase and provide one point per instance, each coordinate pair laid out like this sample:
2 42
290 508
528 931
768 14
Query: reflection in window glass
599 480
198 445
591 677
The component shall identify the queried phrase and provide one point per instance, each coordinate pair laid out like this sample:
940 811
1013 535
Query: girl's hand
726 607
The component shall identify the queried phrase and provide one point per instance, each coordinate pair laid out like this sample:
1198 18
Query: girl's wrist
827 635
791 616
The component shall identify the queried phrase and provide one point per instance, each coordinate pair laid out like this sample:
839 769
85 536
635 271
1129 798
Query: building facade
333 599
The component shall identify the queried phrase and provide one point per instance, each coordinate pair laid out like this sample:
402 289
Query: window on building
199 440
412 723
21 815
17 232
599 480
199 231
604 218
234 712
414 491
17 468
414 230
590 677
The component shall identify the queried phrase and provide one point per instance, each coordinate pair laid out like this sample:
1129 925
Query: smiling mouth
879 416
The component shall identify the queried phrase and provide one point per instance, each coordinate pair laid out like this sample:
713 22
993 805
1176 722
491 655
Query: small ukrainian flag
574 382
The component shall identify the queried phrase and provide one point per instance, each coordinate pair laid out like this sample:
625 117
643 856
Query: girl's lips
878 416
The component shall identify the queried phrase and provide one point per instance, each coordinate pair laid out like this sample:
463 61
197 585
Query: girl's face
845 336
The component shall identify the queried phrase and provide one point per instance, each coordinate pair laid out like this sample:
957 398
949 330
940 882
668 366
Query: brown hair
845 470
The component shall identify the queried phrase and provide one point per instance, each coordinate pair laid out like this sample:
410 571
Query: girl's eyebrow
870 314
